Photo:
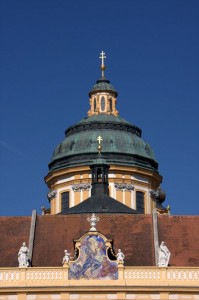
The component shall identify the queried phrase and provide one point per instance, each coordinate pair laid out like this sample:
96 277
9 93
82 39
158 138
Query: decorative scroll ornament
124 186
154 193
81 187
52 194
93 221
93 261
158 195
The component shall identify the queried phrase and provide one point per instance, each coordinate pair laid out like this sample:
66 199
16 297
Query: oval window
102 103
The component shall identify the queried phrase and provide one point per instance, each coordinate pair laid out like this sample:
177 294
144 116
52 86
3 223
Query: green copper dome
121 145
103 85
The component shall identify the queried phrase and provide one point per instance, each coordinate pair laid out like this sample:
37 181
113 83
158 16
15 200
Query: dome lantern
103 96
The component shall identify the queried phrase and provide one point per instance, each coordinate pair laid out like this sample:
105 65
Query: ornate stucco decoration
81 187
93 258
124 186
154 193
45 211
93 221
52 194
158 195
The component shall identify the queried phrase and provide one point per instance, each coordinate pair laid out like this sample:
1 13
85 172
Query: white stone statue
120 256
66 257
163 255
23 256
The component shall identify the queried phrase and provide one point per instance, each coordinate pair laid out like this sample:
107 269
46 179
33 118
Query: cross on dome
102 57
99 139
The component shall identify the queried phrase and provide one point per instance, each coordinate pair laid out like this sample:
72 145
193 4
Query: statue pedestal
22 270
65 270
120 271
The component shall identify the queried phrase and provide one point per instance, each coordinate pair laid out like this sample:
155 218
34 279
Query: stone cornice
95 125
52 176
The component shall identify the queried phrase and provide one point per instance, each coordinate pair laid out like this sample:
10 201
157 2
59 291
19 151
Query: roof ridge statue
23 256
66 257
163 255
120 257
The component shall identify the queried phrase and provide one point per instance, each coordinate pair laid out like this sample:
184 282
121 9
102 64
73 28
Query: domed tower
134 179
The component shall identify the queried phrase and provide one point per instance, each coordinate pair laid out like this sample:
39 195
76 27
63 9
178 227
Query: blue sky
49 60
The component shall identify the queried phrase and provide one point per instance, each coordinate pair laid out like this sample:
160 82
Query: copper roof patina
103 85
122 144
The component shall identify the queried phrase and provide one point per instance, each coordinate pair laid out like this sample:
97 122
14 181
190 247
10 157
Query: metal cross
99 139
102 56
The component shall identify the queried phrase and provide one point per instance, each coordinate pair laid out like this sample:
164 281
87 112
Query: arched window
140 202
99 175
111 104
102 103
94 105
64 201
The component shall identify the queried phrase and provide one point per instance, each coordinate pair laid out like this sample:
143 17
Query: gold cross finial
102 57
99 139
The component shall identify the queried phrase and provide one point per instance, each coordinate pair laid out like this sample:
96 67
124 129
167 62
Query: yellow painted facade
64 180
133 283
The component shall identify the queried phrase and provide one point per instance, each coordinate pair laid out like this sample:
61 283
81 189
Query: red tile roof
13 232
132 233
181 236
